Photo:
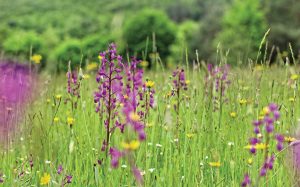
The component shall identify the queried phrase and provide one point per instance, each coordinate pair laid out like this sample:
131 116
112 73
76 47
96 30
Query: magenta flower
267 124
16 90
216 84
115 156
246 181
60 169
109 91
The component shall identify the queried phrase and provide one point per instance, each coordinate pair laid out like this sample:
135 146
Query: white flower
123 166
48 162
143 173
230 143
151 170
158 145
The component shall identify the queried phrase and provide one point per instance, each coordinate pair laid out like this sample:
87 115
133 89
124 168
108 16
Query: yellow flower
132 145
144 63
258 68
56 119
134 117
292 99
100 57
289 139
190 135
149 124
58 96
187 82
48 100
70 121
250 161
149 84
294 77
233 114
214 164
125 96
265 111
45 179
86 76
243 101
36 59
92 66
259 146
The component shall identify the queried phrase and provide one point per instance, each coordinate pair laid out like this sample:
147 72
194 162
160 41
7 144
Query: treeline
77 30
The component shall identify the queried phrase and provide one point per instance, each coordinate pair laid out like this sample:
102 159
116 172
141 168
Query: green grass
182 163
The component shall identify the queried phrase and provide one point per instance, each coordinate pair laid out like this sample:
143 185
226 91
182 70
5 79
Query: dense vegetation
64 30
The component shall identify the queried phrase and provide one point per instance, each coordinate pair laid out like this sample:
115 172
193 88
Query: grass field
206 148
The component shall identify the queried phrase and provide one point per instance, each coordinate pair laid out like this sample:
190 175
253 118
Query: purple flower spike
276 115
253 150
60 169
263 172
269 128
115 156
246 181
273 107
16 90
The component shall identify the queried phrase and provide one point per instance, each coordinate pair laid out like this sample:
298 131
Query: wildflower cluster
132 98
265 125
216 84
147 96
1 178
16 85
109 90
73 87
67 179
179 84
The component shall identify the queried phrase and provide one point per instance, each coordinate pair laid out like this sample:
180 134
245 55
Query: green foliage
185 43
283 17
70 50
93 44
141 27
242 29
19 43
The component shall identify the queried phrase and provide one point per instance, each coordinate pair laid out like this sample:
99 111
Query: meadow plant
147 97
73 87
264 131
109 91
216 84
16 85
133 113
179 84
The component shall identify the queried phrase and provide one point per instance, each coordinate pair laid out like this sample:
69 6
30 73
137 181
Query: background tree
243 28
141 27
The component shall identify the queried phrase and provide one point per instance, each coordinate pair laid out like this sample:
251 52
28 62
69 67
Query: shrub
142 25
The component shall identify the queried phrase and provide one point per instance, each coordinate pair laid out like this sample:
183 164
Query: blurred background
60 31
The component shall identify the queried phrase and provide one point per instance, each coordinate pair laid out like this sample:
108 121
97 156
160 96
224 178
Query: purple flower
137 174
69 179
109 93
16 90
246 181
115 156
60 169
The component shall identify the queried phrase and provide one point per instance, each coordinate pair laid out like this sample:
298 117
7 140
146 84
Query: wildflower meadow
149 93
115 123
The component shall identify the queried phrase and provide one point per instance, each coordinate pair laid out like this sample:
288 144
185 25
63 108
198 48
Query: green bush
94 44
243 28
19 44
185 43
70 50
140 28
